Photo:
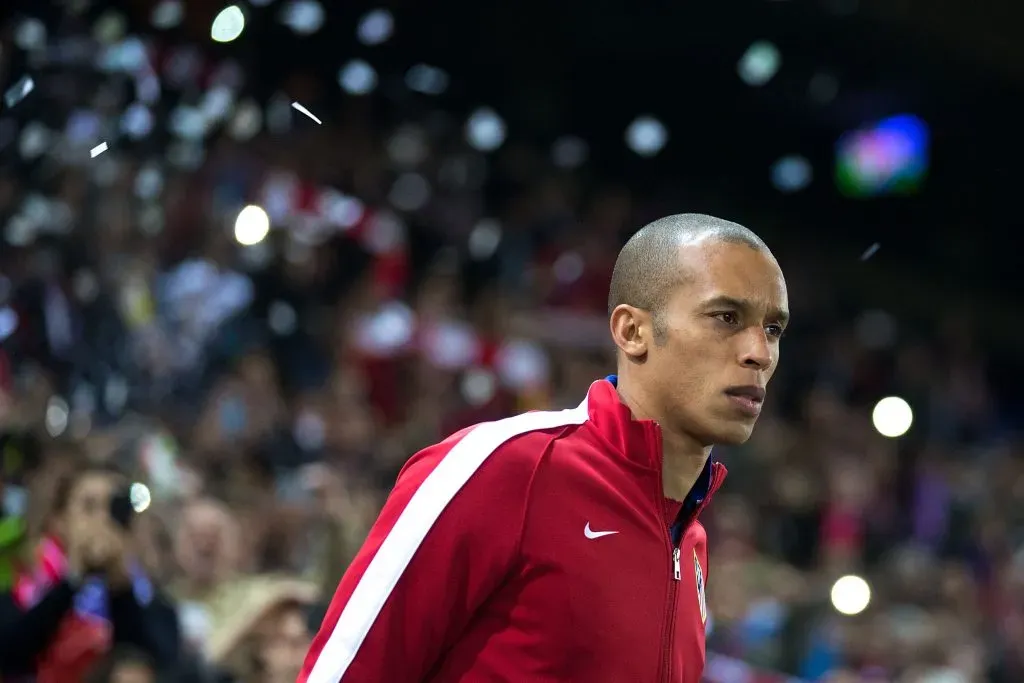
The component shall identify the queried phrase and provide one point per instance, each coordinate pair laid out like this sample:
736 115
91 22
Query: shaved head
648 268
698 309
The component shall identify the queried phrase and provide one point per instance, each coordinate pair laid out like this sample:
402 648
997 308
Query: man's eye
776 331
728 317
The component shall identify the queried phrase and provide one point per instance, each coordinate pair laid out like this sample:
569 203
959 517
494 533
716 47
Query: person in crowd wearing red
564 546
83 594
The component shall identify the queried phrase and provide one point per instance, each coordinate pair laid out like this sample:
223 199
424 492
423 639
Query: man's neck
683 457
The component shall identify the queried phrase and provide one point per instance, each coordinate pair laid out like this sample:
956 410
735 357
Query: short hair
647 268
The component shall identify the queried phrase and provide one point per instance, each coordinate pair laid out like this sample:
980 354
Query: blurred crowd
211 426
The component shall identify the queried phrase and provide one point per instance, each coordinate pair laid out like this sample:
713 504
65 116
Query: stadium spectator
84 591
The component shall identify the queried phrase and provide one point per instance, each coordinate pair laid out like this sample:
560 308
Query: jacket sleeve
151 626
26 634
446 538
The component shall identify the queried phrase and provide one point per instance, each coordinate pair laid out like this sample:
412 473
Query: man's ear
631 330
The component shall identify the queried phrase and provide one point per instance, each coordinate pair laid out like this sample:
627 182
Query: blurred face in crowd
88 503
132 672
207 542
715 345
283 645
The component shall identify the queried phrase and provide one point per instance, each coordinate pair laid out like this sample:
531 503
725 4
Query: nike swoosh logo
589 533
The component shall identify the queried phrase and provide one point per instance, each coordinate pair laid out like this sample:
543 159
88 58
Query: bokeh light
357 77
228 24
167 14
791 173
426 79
887 157
140 497
375 27
485 130
759 63
304 17
57 413
892 417
30 34
646 136
850 595
484 239
252 225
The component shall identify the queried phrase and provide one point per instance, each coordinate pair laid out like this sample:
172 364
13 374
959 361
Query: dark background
588 69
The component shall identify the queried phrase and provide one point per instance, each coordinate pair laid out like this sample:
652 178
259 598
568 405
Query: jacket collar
639 441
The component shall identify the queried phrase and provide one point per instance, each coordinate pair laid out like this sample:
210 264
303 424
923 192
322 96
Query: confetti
299 108
19 91
228 24
98 150
870 251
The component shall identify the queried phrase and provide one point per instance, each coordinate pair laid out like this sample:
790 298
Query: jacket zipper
673 585
673 590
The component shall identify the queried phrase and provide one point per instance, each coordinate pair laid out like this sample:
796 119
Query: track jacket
535 549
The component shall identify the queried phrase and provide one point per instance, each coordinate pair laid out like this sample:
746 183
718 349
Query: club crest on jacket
698 572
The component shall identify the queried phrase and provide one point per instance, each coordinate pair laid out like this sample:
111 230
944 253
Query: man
564 546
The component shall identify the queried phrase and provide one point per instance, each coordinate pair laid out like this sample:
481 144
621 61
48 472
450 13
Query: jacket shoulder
507 445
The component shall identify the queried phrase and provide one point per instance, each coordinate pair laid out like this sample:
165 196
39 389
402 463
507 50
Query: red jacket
533 549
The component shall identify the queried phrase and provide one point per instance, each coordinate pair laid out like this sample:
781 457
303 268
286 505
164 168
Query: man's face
720 341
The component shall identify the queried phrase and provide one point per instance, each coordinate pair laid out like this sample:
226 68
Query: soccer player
564 546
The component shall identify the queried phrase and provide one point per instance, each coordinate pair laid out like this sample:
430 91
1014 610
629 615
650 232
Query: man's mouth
747 398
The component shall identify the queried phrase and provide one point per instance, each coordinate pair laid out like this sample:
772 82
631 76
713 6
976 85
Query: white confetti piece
98 150
228 24
19 91
870 251
299 108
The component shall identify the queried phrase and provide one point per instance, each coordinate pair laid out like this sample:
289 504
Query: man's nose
757 351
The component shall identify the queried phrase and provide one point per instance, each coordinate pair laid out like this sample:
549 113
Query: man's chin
733 433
